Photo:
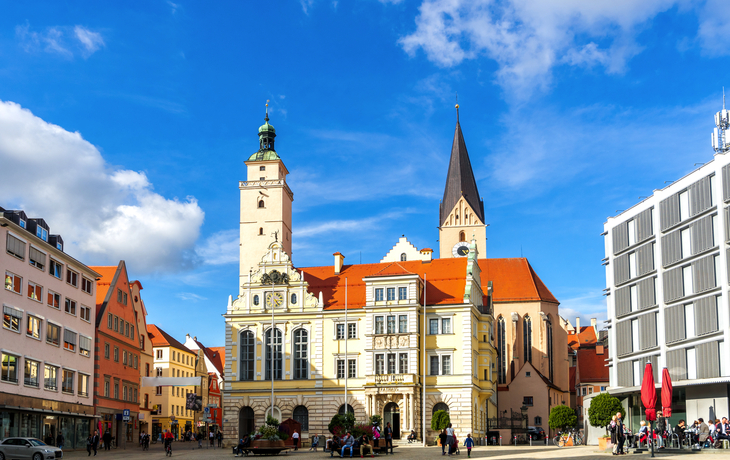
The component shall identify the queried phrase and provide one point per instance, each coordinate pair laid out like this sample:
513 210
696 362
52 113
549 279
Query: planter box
604 443
263 443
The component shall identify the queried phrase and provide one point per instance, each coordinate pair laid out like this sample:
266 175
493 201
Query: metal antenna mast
721 133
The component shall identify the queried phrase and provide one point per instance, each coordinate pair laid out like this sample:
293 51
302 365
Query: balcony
391 379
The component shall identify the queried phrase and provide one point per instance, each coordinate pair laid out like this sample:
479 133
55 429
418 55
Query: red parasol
648 393
666 393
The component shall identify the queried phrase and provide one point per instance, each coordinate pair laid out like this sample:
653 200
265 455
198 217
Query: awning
676 384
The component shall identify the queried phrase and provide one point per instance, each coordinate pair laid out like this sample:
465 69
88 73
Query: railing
260 182
391 379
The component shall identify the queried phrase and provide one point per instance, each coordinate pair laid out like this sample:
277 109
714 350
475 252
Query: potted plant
268 435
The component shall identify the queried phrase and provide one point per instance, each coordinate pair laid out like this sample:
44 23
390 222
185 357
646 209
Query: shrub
376 419
271 421
603 407
440 420
346 422
268 432
562 417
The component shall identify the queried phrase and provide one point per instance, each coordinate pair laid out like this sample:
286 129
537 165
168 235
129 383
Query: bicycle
568 438
168 449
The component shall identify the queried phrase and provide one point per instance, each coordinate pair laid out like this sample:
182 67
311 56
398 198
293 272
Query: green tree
603 407
562 417
376 419
346 422
440 420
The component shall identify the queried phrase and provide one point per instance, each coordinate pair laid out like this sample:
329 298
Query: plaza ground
403 452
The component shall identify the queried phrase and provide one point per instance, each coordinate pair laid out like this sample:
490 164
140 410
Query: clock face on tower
460 249
274 299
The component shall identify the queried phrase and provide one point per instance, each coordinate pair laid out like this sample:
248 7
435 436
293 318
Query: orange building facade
117 356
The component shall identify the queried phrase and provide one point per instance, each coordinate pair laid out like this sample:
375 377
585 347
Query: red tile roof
213 355
221 355
591 366
586 337
514 280
160 338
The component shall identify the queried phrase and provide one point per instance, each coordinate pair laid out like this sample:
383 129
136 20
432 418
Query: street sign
213 406
125 415
206 410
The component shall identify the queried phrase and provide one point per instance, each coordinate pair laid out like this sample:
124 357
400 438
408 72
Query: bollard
500 440
530 440
515 440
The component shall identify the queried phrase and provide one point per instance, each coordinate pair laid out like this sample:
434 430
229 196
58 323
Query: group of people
698 434
448 438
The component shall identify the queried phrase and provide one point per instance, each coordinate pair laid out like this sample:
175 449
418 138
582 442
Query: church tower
461 213
266 203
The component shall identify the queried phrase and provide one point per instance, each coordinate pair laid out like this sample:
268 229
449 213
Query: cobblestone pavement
403 452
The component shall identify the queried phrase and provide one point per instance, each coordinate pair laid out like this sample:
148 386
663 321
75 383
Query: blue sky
126 125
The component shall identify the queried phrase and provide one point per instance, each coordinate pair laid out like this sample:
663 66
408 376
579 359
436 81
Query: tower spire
266 118
460 179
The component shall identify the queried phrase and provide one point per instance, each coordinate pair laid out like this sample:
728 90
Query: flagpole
271 344
423 335
347 364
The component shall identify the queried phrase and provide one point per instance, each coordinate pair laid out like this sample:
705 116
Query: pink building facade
48 300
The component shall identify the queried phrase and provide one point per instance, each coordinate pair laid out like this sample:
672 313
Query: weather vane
267 109
457 106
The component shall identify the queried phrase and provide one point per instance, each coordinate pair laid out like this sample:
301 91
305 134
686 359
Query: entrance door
391 414
49 430
245 422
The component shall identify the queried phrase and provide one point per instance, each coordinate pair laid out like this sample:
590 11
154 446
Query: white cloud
104 214
189 296
714 31
321 229
91 41
220 248
586 306
60 40
527 38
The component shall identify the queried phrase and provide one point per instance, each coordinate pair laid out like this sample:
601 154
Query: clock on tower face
460 249
274 299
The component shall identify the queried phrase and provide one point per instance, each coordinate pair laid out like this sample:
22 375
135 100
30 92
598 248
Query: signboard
207 411
213 406
125 415
194 402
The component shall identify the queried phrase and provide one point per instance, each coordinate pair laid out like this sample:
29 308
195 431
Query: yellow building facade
171 359
401 339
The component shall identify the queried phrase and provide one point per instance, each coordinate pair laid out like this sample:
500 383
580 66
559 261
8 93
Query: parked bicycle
568 438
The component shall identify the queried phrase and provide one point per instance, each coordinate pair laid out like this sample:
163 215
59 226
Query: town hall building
402 338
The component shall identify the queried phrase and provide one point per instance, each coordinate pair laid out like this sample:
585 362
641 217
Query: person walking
442 439
661 428
450 438
315 442
219 436
295 439
59 440
388 438
211 435
468 443
107 438
95 441
620 433
89 443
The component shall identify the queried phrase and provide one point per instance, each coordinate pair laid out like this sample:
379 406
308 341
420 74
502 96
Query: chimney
577 324
599 349
339 262
593 325
426 254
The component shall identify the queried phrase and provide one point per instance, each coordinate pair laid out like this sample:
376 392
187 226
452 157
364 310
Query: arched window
403 257
301 354
261 203
261 230
527 338
549 333
245 422
462 236
457 219
341 411
276 413
501 351
247 355
256 300
301 415
274 351
440 406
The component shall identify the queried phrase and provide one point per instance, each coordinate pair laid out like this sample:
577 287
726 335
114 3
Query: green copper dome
266 127
264 155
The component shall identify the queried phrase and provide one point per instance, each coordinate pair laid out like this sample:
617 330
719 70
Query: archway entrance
391 414
245 422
